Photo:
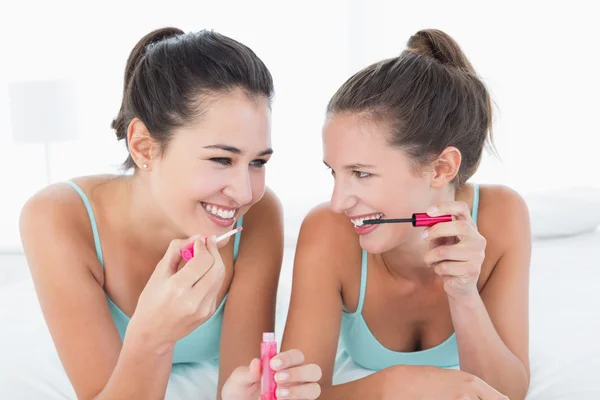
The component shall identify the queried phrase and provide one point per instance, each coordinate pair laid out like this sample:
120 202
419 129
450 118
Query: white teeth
359 221
219 212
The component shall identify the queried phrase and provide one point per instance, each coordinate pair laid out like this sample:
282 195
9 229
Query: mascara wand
418 219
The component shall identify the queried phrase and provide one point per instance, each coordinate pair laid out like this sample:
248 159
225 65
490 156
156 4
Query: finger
460 228
306 391
168 264
287 359
301 374
212 281
196 268
453 268
254 371
209 284
458 209
213 249
455 252
247 376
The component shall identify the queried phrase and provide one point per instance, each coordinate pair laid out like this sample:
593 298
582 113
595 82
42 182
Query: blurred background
539 59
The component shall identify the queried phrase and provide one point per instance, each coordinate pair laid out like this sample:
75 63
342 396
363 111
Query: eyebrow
235 150
354 166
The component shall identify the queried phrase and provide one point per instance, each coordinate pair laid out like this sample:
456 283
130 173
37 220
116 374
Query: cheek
408 199
396 200
200 185
257 183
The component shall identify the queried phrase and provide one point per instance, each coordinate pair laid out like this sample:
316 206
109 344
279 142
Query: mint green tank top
202 344
366 351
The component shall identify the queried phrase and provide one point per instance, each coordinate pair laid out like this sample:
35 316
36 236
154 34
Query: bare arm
250 308
61 258
314 316
492 329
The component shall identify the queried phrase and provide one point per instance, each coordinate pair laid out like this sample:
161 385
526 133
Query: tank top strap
90 211
363 282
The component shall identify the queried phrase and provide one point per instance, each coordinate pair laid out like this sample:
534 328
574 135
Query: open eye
259 163
360 174
222 160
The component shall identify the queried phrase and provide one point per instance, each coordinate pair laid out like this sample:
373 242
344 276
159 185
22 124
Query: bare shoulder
265 218
504 222
56 216
268 206
503 215
55 207
261 244
328 242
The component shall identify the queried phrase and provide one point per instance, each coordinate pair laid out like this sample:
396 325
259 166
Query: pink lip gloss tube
188 254
268 349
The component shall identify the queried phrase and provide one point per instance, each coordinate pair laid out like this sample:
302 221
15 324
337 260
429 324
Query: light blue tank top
366 351
202 344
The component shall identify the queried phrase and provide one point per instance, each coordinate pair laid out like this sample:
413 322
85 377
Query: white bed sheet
564 333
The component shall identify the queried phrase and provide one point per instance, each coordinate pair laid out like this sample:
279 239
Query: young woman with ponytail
439 312
105 251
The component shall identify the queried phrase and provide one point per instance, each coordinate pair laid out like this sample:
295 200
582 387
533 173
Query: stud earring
145 165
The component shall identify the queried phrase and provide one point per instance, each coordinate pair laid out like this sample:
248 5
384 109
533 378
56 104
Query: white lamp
43 112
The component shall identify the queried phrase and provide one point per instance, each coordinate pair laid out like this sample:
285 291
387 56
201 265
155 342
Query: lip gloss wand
188 253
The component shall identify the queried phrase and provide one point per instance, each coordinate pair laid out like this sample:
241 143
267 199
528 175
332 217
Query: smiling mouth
224 213
358 222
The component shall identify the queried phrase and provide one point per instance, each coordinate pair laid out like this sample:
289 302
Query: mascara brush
418 219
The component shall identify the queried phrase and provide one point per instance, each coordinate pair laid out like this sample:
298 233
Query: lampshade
43 111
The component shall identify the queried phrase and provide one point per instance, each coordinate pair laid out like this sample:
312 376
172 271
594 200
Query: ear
446 167
141 145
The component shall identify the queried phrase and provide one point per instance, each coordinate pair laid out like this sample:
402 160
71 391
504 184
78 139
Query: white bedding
564 332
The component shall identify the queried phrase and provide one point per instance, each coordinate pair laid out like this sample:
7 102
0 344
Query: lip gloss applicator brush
188 253
418 219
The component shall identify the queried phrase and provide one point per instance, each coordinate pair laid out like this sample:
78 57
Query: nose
240 188
341 198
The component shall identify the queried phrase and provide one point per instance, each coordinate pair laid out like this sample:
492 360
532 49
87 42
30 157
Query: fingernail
281 376
432 211
276 363
282 392
425 234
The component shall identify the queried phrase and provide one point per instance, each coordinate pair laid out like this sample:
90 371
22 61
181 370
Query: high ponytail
429 97
120 123
438 45
168 73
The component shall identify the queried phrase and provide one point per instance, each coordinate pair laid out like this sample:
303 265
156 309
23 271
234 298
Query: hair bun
439 46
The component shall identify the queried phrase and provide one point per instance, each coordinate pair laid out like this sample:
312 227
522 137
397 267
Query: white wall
539 61
92 46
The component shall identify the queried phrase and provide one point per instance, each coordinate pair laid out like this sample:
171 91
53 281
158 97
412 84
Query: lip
363 215
204 204
365 229
222 222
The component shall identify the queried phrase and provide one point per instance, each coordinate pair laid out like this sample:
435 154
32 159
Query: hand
425 383
243 383
176 301
295 380
457 249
